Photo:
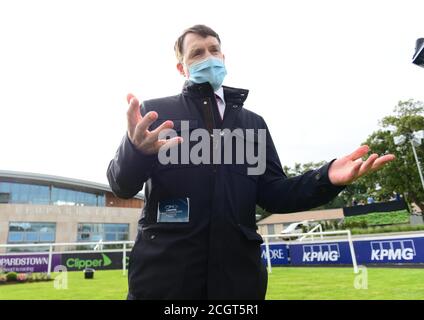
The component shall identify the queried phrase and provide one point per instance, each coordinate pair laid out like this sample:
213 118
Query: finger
129 97
146 121
356 167
382 161
154 135
166 144
358 153
133 113
367 165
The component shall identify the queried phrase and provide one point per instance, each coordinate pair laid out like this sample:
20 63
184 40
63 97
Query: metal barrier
51 245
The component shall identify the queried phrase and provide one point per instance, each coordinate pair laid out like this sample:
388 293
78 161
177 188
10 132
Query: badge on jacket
174 210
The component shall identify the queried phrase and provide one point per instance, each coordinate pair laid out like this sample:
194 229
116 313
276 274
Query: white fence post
352 252
268 256
49 267
124 259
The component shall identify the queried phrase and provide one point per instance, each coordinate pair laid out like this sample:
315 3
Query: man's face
196 49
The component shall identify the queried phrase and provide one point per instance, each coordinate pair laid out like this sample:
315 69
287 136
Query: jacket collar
232 95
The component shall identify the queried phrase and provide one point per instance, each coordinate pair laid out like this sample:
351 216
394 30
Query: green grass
284 284
338 283
106 285
381 218
376 222
386 229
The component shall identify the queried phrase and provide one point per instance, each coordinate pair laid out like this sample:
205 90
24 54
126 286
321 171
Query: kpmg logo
201 147
393 250
321 252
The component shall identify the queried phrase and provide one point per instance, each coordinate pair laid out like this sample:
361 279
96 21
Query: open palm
347 169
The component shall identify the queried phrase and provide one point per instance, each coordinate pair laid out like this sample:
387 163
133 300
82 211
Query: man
197 234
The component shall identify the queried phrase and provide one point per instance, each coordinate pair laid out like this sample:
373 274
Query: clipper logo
88 263
392 250
321 252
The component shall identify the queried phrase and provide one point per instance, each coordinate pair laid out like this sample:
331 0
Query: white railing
51 245
311 232
99 246
347 232
125 243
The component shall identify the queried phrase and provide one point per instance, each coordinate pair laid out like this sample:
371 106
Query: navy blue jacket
216 255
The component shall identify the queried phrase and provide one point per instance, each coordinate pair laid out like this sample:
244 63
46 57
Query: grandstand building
37 208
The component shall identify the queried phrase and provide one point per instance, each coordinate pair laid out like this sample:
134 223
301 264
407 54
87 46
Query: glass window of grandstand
12 192
102 232
31 233
61 196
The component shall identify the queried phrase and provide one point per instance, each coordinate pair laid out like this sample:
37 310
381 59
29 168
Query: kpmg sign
393 250
370 251
320 253
406 250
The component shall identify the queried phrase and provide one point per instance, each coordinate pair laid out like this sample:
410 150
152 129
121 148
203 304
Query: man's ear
180 68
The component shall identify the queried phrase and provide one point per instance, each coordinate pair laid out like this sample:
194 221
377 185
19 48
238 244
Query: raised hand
146 141
346 170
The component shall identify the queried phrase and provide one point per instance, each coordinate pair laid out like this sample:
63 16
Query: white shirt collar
220 93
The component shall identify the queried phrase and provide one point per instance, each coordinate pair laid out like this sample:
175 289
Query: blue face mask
211 70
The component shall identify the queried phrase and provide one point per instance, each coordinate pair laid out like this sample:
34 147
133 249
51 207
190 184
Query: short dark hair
199 29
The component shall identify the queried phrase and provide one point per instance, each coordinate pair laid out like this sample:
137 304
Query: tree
262 212
300 169
401 175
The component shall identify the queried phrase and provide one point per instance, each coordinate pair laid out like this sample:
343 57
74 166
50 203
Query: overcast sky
321 73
